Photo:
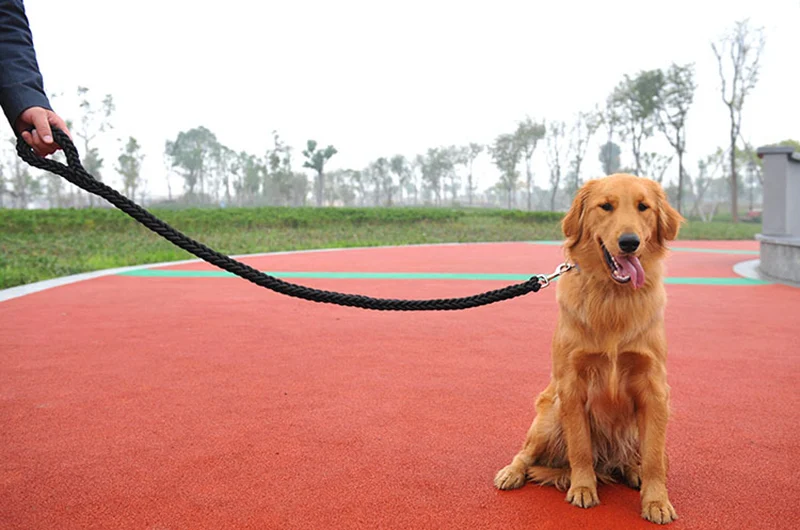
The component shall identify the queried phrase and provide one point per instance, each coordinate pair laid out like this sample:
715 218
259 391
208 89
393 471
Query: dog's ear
669 220
572 224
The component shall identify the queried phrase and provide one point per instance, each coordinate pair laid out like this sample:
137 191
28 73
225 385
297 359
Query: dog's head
619 225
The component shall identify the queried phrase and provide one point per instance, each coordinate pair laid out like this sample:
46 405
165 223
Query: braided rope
76 174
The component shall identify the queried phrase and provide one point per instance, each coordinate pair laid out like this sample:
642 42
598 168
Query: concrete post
780 237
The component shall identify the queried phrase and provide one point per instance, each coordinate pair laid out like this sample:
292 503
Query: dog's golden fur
603 417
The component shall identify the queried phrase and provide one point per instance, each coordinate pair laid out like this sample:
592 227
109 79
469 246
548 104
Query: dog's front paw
659 511
509 478
583 496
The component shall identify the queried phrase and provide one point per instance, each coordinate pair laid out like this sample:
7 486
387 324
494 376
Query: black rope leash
76 174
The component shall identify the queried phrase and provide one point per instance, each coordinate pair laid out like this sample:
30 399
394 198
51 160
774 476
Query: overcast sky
377 78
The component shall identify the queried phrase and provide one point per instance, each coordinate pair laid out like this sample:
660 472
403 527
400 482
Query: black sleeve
21 84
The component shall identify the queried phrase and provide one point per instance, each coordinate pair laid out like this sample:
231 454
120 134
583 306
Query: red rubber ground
194 403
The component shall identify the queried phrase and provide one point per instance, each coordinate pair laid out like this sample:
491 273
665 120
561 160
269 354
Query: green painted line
676 249
714 281
173 273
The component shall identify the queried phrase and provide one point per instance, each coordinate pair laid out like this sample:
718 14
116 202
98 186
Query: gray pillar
780 237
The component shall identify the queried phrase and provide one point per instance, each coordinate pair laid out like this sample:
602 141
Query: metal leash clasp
544 281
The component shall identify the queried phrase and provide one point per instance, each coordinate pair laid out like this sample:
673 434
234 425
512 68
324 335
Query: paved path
181 397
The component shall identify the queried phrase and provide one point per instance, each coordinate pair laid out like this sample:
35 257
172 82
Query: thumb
42 125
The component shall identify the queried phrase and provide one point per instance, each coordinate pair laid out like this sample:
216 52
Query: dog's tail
560 477
550 476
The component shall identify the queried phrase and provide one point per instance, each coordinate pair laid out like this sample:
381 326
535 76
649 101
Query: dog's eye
606 206
643 207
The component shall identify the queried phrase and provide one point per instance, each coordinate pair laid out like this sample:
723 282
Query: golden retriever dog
603 417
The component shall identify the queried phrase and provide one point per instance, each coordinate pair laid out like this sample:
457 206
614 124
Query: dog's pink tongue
631 267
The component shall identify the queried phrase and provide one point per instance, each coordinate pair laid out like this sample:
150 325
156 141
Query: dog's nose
628 242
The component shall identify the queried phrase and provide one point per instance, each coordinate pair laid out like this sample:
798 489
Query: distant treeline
200 170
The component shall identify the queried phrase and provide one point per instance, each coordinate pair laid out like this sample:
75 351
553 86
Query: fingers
41 137
41 148
41 123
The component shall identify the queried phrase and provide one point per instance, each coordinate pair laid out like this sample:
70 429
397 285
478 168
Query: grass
41 244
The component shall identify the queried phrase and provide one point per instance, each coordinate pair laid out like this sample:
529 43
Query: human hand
41 137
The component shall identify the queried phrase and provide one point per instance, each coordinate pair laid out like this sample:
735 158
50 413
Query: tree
418 177
655 165
298 189
707 168
129 163
527 136
382 180
473 151
192 153
506 153
738 54
316 160
167 160
399 166
252 176
93 121
224 162
337 188
457 156
585 126
634 102
435 166
24 187
555 157
281 184
674 99
279 179
610 158
791 143
358 183
752 165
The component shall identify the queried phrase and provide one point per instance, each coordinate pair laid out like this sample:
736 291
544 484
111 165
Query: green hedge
107 219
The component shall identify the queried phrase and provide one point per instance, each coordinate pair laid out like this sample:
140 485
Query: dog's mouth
624 268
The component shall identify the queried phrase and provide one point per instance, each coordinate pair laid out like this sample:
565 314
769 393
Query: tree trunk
680 181
636 146
734 180
319 188
528 183
469 183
